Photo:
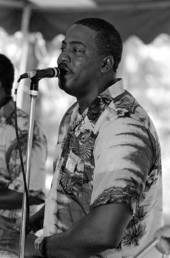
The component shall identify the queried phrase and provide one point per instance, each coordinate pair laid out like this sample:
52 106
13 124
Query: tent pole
25 49
23 64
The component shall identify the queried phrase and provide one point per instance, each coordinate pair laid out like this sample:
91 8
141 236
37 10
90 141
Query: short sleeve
123 157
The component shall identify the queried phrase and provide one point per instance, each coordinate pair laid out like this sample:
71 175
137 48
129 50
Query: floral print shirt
10 165
109 154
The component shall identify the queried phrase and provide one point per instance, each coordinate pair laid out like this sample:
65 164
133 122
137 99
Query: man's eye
73 50
77 50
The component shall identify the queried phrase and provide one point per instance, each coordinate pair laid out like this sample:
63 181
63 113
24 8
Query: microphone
43 73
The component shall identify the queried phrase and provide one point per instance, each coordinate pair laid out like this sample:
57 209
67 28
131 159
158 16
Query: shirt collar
115 89
103 100
99 104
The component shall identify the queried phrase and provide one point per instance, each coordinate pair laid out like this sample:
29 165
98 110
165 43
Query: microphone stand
33 93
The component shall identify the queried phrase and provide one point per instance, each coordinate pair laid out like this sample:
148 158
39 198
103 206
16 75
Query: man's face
81 60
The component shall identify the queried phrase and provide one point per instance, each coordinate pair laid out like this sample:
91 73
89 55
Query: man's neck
86 100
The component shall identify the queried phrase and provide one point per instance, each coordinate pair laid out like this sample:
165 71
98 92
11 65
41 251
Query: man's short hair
108 39
6 73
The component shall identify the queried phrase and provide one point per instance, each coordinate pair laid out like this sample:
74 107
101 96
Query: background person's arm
10 199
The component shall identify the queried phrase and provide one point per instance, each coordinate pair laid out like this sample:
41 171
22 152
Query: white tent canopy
145 19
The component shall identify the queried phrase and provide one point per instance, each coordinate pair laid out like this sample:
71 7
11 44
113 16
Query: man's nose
64 57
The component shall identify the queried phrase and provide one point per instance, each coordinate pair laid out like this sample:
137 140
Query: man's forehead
81 33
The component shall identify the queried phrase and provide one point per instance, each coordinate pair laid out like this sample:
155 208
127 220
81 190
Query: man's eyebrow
73 42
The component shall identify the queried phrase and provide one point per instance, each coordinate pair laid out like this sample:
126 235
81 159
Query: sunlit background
146 73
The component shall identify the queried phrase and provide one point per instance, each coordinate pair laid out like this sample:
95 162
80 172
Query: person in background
106 194
11 177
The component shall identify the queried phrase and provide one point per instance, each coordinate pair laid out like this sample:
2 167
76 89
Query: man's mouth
64 70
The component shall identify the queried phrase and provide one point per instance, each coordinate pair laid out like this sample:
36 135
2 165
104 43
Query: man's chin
62 83
65 88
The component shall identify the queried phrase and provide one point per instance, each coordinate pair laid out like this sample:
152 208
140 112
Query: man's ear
108 63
